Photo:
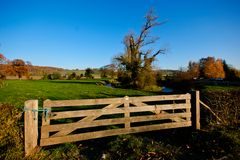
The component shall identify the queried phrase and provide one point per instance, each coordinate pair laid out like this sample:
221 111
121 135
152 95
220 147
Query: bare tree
136 63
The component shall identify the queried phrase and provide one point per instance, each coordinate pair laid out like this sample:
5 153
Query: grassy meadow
213 141
15 92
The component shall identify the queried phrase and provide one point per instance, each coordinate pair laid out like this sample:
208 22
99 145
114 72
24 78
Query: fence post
127 113
30 126
195 103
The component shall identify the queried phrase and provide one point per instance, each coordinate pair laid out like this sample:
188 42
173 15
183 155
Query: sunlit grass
18 91
221 88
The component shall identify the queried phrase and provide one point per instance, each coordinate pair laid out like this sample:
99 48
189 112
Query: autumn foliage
208 68
211 68
16 67
19 68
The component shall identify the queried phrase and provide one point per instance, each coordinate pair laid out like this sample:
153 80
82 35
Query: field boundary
75 120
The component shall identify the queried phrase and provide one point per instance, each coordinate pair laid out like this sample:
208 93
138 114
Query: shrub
225 103
146 79
11 132
72 76
54 76
89 73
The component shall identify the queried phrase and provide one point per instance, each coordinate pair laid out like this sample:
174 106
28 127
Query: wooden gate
75 120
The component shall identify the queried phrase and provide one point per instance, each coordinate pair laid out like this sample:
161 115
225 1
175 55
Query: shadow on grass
74 82
181 143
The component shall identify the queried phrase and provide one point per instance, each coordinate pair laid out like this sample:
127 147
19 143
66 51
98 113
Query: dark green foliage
72 76
103 72
159 78
89 73
230 73
54 76
11 132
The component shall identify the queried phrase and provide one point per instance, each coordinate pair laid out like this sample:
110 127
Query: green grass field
17 91
215 142
220 88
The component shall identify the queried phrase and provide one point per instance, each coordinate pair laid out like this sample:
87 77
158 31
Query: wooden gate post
195 105
30 126
127 113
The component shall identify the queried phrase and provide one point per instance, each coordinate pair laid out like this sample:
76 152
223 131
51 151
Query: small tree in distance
89 73
19 68
193 69
73 75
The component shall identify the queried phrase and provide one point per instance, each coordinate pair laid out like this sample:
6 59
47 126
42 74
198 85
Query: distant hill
35 70
168 72
41 70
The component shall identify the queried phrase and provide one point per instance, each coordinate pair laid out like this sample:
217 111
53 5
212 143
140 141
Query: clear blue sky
86 33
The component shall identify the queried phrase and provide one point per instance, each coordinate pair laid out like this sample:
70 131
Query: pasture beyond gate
75 120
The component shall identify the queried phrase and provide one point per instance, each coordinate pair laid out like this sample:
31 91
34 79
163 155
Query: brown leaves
212 68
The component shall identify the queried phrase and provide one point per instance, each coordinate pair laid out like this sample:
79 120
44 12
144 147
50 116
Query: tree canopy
135 65
89 73
18 67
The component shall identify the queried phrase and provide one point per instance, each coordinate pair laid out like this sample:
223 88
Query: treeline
16 67
88 73
20 68
209 68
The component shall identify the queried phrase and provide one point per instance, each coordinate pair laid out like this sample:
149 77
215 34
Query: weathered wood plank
92 112
188 110
83 102
30 126
64 103
127 112
86 119
159 98
177 118
99 134
197 110
45 120
106 122
159 110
